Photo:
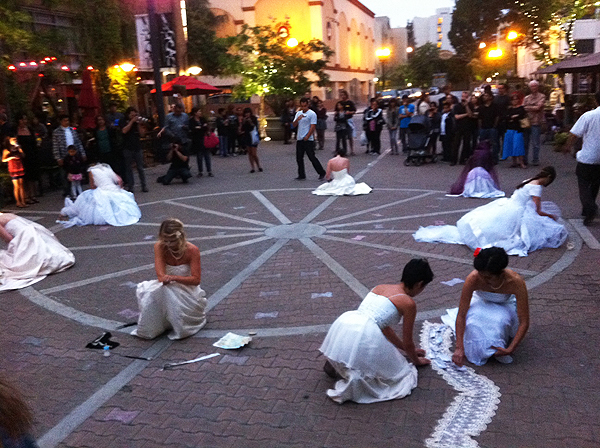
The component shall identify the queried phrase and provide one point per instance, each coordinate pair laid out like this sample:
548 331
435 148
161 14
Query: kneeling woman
493 315
363 350
175 300
33 252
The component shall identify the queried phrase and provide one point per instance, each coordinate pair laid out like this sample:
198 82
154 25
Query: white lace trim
473 408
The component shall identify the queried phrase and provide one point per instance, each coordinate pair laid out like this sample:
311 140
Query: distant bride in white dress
106 202
493 314
365 355
175 300
342 183
519 224
33 252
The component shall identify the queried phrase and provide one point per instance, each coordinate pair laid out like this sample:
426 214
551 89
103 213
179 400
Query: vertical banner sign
167 40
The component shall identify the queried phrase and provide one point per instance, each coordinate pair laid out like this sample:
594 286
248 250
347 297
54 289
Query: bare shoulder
192 249
515 278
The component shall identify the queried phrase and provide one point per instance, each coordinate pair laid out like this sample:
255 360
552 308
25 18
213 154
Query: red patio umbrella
192 86
88 101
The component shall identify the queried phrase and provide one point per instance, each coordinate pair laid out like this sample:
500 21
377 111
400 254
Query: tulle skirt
98 206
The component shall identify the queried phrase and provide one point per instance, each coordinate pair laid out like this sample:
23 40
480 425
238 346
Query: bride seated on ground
33 252
174 301
493 314
342 183
106 202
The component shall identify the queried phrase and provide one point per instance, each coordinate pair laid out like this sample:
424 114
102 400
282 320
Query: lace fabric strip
473 408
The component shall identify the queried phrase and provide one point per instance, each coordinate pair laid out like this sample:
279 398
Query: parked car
386 97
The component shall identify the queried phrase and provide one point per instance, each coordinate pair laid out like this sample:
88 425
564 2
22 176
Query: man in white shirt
63 137
306 122
588 160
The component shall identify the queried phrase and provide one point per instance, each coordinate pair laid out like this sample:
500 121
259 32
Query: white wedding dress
32 254
176 307
511 223
371 367
491 321
108 203
342 184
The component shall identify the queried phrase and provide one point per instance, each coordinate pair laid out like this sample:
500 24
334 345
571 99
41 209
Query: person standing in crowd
74 166
232 129
306 122
405 112
287 116
177 126
473 110
350 109
240 134
588 160
27 141
423 104
489 117
105 142
502 102
374 123
113 117
132 148
447 91
513 138
435 121
63 137
392 124
462 133
249 127
223 131
321 124
198 127
341 129
13 155
534 106
447 132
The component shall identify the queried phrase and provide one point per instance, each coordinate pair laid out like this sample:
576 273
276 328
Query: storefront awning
583 63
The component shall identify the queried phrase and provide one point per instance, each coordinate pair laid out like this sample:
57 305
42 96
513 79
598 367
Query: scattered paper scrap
129 284
358 237
453 282
385 252
239 208
128 314
309 274
231 341
439 223
268 293
316 295
384 266
379 226
121 416
266 315
149 237
202 358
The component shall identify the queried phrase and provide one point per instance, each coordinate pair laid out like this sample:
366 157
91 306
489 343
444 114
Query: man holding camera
132 148
180 167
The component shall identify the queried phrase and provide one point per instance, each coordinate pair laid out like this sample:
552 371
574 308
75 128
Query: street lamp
495 53
194 71
382 54
292 42
127 66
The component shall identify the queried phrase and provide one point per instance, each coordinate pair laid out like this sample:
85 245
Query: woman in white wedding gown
342 183
33 252
175 300
519 224
365 355
493 314
104 203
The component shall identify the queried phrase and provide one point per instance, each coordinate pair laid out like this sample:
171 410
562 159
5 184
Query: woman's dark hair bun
493 260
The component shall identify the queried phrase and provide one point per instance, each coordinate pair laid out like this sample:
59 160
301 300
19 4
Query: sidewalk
287 290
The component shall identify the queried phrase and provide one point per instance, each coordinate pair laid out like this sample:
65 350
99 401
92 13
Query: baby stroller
418 142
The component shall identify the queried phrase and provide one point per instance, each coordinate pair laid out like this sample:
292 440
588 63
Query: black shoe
322 176
588 220
252 171
260 169
145 189
210 175
200 174
300 178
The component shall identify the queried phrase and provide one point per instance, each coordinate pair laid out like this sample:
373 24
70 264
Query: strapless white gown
106 204
32 254
491 321
371 367
342 184
511 223
479 184
176 307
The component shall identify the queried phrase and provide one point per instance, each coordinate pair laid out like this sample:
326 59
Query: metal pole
383 74
156 61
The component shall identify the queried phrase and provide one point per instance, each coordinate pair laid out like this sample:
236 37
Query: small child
13 155
73 164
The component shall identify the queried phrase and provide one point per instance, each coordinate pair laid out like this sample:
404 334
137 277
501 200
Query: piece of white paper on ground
232 341
453 282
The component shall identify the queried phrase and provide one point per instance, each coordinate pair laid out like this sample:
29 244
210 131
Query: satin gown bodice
182 270
380 309
493 297
523 195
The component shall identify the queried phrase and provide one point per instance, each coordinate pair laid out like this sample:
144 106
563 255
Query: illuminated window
439 29
440 20
440 36
439 45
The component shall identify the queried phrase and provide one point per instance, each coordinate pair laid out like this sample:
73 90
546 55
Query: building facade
346 26
434 29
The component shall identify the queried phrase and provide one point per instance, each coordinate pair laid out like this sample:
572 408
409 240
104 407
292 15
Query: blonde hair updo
172 237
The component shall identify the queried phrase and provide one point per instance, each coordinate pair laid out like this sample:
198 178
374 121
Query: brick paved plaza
285 285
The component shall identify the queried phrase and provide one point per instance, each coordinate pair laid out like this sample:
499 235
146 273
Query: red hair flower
477 251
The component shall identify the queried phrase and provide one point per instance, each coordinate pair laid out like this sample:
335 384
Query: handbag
211 141
525 123
363 139
255 137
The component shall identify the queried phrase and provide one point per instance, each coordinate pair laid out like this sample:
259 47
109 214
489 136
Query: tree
270 68
204 48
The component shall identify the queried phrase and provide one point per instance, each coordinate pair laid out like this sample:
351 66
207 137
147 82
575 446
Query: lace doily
473 408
